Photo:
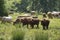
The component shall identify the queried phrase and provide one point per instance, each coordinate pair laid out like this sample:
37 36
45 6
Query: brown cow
28 21
34 22
45 23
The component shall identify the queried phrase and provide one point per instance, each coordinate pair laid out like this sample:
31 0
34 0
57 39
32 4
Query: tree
3 11
22 6
36 5
58 5
52 5
48 5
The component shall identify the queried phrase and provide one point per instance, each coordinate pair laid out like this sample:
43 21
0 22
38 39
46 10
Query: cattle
31 22
25 21
28 21
50 15
6 19
55 14
21 18
34 22
45 23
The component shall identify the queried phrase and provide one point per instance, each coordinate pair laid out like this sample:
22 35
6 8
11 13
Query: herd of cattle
53 14
31 20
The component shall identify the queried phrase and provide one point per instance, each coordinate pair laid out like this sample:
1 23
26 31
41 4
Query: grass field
11 32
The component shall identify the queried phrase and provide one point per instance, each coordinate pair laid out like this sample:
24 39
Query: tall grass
41 35
54 34
18 35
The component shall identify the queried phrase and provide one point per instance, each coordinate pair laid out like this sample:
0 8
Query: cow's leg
32 26
19 24
14 23
37 25
46 27
43 27
22 24
27 25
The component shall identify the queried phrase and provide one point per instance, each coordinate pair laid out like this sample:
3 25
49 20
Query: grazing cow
31 22
22 19
6 19
45 23
50 15
55 14
34 21
28 21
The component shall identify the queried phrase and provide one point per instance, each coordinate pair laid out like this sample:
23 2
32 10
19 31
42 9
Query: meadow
8 31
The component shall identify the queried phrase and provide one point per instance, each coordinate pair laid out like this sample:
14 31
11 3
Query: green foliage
3 11
36 5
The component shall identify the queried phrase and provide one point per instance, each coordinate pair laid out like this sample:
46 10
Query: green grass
14 32
41 35
18 34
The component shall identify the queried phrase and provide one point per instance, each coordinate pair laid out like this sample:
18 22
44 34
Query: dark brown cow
28 21
34 22
25 21
45 23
